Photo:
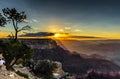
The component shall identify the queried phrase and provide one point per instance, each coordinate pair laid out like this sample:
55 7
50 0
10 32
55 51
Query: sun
57 35
60 35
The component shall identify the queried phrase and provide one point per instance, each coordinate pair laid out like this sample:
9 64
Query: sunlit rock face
40 43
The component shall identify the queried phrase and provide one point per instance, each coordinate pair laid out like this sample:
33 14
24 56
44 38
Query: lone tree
2 21
13 50
15 17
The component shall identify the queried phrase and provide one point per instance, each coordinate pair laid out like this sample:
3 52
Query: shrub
67 76
22 74
45 68
15 51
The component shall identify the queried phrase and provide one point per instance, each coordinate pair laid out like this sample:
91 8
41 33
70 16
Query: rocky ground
5 74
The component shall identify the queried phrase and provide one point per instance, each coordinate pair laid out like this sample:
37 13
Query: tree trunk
16 35
8 66
14 62
16 29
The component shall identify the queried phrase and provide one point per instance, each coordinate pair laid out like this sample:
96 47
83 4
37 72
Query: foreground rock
5 74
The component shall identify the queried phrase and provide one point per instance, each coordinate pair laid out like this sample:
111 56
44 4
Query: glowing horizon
63 36
97 18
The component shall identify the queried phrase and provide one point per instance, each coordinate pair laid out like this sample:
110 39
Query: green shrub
45 68
15 53
67 76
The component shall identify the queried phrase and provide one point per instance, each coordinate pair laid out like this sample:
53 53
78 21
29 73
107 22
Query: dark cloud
73 2
76 10
39 34
43 34
69 11
84 37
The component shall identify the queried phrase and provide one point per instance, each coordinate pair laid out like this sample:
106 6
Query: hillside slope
72 63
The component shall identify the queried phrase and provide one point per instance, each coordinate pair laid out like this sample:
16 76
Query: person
1 63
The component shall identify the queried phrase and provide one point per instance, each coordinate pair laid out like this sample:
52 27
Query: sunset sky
99 18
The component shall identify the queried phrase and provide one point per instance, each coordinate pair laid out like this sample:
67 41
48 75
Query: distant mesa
60 36
84 37
42 34
38 34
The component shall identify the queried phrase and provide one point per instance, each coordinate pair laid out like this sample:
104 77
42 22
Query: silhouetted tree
15 17
2 21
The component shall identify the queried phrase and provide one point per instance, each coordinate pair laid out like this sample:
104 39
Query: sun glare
56 35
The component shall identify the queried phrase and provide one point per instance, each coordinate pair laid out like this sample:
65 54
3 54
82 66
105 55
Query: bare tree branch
25 28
